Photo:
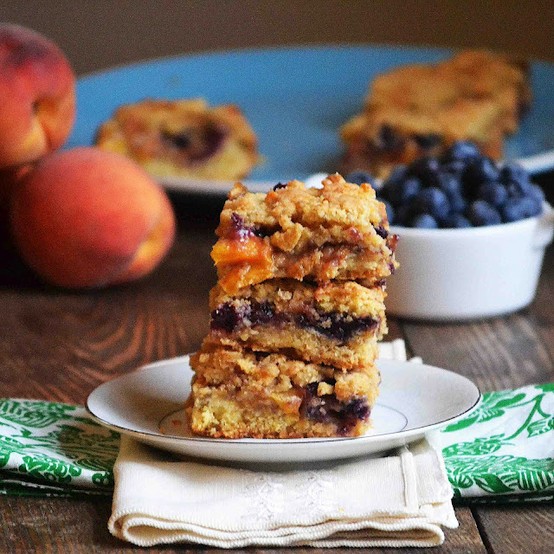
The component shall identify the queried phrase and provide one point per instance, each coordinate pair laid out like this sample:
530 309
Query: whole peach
88 218
37 96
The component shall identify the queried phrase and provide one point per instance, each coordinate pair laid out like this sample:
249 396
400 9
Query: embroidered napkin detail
504 447
49 448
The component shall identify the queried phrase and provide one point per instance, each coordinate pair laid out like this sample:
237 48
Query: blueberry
482 213
537 193
518 190
458 203
426 170
456 221
513 210
411 187
424 221
226 317
388 139
261 312
516 179
432 201
520 208
534 206
481 169
402 191
395 178
461 150
180 140
493 192
357 408
475 174
359 176
454 167
397 174
403 214
199 145
512 171
451 186
427 141
240 230
449 183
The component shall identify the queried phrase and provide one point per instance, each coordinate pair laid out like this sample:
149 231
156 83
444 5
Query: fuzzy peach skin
86 218
37 96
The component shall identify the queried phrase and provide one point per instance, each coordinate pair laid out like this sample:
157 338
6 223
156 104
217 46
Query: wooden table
59 345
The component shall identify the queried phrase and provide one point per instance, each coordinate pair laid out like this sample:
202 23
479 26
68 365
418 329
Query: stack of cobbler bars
296 314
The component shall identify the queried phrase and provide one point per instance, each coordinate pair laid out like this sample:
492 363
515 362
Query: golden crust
182 138
330 210
339 231
293 296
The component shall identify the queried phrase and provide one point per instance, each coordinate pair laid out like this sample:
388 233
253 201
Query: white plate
414 399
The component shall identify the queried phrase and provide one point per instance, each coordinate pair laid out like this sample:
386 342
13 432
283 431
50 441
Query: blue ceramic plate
295 98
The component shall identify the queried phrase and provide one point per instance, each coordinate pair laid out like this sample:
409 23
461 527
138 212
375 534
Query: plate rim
296 442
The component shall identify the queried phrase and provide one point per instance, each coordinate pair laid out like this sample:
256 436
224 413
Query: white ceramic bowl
464 274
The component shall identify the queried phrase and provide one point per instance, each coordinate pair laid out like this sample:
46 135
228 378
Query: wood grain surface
60 345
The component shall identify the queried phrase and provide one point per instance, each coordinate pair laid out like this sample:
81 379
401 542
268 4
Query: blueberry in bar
339 231
182 138
336 323
422 109
238 393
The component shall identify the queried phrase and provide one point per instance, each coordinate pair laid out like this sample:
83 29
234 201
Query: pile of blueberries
460 189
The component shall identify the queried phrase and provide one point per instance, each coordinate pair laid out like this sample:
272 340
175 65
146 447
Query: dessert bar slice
420 110
339 231
381 138
238 393
182 138
473 75
503 78
336 323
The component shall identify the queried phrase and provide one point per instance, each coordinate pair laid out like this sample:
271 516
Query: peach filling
246 261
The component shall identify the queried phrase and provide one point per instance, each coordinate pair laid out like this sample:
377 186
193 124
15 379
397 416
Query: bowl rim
547 217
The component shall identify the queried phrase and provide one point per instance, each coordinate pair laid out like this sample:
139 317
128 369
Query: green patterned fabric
502 451
504 447
48 448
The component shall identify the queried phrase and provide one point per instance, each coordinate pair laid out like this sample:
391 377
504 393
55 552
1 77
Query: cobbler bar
420 110
239 393
339 231
182 138
336 323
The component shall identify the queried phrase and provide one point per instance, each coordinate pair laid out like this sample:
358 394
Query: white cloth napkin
402 499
